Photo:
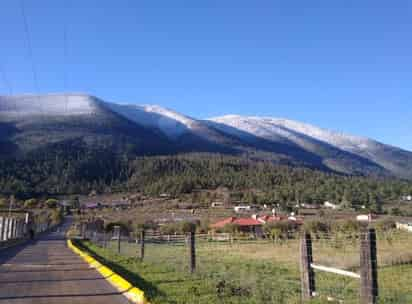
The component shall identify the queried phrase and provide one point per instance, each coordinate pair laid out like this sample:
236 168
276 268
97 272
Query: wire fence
238 270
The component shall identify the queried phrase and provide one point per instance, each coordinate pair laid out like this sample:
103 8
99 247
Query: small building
366 217
330 205
242 208
309 206
404 225
407 198
217 205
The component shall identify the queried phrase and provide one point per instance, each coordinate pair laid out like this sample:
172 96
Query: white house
330 205
404 226
217 204
242 208
366 217
407 198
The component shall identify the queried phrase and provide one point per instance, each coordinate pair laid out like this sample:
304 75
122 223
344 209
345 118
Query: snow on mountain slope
169 122
310 137
51 104
277 129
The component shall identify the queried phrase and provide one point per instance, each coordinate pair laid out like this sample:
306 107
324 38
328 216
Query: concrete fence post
18 235
15 228
192 252
307 273
10 229
368 267
20 231
1 228
6 229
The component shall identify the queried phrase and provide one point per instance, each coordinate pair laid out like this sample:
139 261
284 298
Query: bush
51 203
3 203
56 217
231 228
203 227
385 225
279 230
186 227
30 203
317 227
169 229
347 226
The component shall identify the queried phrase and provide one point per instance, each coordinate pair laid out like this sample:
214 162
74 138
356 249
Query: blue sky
342 65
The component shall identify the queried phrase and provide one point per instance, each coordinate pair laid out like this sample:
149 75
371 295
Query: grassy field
258 271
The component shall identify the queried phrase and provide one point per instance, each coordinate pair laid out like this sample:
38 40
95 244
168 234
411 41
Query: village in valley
221 214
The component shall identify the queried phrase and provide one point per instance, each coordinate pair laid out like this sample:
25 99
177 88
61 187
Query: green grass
254 272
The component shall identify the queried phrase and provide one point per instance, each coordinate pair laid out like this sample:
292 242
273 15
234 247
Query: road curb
131 292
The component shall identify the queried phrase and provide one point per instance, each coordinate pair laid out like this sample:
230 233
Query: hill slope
31 124
328 144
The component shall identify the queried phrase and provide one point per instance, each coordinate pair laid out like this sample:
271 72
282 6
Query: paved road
46 271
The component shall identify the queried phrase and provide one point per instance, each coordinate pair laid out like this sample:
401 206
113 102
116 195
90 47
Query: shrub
186 227
317 227
385 225
51 203
30 203
347 226
3 203
279 230
55 217
230 228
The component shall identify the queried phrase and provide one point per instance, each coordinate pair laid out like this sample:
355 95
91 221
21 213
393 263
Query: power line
65 58
30 52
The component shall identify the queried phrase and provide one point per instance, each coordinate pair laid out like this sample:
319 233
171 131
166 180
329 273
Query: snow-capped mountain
47 105
31 123
311 138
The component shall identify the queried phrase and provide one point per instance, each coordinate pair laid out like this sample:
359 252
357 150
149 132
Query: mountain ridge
155 130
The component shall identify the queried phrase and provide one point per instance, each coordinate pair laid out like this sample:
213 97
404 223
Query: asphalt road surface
46 271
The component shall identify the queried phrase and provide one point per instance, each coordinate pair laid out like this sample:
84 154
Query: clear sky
342 65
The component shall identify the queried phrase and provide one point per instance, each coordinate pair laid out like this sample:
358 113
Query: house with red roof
246 225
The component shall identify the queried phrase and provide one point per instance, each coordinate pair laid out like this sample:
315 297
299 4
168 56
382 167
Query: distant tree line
81 171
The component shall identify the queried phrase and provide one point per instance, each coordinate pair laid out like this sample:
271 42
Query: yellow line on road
131 292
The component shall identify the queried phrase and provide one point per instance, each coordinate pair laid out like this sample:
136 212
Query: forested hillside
255 181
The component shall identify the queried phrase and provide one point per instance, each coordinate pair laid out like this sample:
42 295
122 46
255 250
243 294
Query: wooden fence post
307 274
83 229
192 252
142 240
118 235
368 267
